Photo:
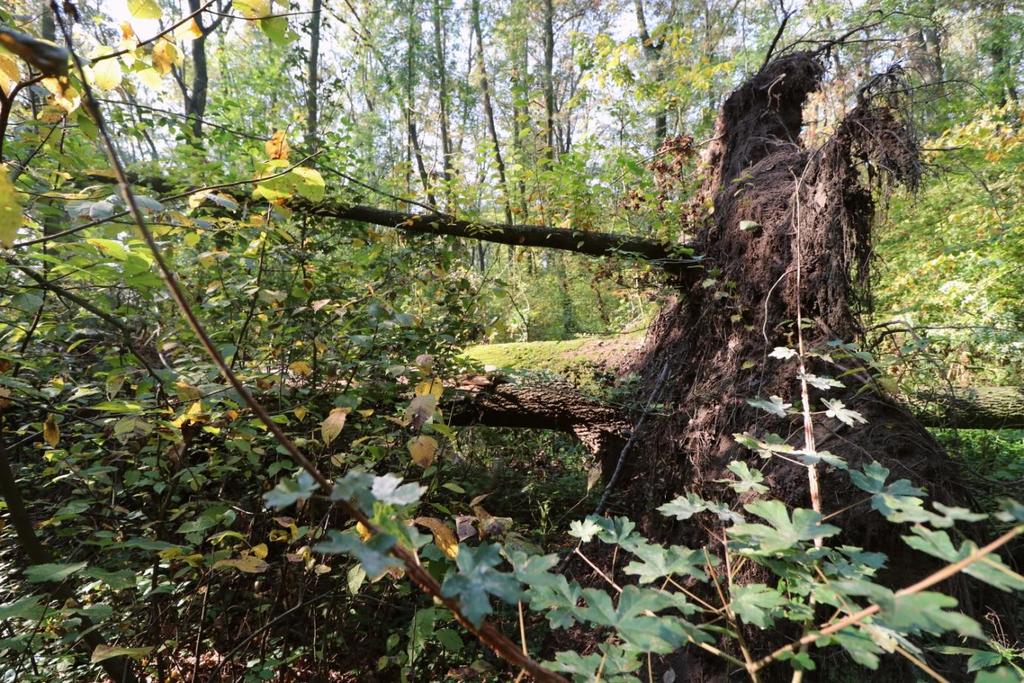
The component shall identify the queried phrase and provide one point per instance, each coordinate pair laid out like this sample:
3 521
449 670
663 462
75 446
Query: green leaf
584 529
749 480
839 411
477 579
774 405
373 554
277 30
27 607
41 573
657 562
632 621
784 533
683 507
288 491
755 603
983 659
927 612
1002 675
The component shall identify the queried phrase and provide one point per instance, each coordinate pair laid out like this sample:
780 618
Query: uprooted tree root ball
790 231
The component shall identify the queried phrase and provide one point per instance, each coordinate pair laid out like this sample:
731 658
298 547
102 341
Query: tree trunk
195 104
549 78
485 91
441 61
313 76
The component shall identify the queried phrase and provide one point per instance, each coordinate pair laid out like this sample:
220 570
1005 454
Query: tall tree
485 92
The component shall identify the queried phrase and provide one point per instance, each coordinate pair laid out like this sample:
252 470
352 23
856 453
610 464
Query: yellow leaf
51 432
246 563
444 537
145 9
301 368
300 412
260 551
277 146
331 427
430 387
10 210
106 73
9 74
190 30
423 449
150 78
64 96
252 9
364 533
165 56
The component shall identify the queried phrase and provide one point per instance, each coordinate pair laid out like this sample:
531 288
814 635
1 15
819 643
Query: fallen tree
587 364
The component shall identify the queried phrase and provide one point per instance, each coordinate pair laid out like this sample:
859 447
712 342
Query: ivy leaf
288 491
55 572
355 487
633 623
615 664
989 569
616 531
749 480
859 645
782 353
928 612
549 593
477 579
822 383
754 603
784 533
584 529
683 507
386 489
657 562
839 411
773 405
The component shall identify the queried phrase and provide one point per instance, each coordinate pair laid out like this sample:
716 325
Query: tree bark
195 104
497 402
313 76
587 242
549 78
971 408
485 91
441 60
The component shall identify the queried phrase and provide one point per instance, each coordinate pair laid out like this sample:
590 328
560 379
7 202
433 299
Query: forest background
272 147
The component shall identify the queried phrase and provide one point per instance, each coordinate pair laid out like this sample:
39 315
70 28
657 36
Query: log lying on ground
971 408
985 407
497 402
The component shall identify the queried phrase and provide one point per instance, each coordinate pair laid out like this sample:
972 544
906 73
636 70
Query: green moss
590 363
